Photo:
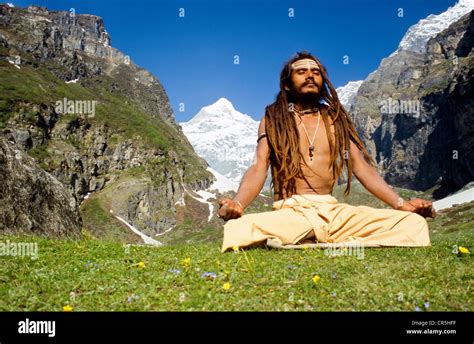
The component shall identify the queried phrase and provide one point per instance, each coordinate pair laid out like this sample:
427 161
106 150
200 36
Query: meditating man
308 139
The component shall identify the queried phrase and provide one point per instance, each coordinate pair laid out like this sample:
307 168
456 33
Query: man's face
306 77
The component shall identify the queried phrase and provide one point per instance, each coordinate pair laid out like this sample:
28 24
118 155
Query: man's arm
252 181
371 179
375 184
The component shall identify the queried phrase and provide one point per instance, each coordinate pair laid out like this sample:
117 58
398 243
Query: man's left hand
419 206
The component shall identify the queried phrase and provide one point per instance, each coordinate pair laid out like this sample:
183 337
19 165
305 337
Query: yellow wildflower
316 278
141 265
226 286
235 248
67 308
186 262
463 250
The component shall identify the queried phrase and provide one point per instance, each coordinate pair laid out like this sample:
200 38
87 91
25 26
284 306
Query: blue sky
193 56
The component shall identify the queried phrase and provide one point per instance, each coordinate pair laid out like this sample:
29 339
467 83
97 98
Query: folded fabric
316 219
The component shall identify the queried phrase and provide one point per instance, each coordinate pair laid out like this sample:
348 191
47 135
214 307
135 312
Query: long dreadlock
283 136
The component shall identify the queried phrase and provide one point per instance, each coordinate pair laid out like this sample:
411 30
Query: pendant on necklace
311 149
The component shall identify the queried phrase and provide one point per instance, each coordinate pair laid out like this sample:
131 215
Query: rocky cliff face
32 200
93 119
415 112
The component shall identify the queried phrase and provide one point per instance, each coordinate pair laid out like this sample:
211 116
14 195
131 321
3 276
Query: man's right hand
229 209
419 206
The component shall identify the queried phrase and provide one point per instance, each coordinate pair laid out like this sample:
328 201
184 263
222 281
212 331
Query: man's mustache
309 82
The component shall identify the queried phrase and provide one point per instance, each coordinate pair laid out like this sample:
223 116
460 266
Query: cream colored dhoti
295 219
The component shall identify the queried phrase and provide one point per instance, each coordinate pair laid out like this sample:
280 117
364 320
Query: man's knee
419 228
420 220
237 223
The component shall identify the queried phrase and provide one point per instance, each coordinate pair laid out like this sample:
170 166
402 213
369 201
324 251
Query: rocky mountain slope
125 155
415 112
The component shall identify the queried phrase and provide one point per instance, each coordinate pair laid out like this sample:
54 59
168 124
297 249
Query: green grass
104 276
189 233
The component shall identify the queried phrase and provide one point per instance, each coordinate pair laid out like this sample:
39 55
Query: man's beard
306 100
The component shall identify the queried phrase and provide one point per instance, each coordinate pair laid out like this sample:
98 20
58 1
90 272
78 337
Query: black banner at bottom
86 326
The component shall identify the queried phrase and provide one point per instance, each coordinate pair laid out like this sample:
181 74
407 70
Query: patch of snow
146 239
222 184
166 231
458 198
205 194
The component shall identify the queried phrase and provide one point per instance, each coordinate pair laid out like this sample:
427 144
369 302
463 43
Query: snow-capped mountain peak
417 36
222 104
220 114
224 137
348 92
415 40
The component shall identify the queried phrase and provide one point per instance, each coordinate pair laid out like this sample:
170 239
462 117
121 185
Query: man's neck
307 106
307 109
